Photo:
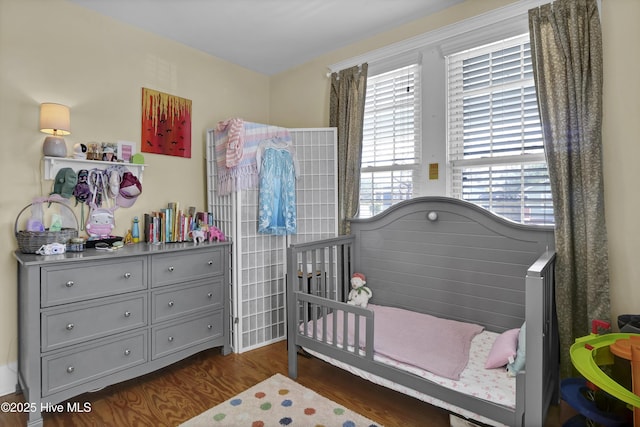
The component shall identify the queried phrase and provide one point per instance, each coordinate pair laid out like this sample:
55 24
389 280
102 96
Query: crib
442 257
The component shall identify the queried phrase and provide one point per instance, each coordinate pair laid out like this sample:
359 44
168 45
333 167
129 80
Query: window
475 119
494 132
391 139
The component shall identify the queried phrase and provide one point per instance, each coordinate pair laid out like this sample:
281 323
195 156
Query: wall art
126 150
166 124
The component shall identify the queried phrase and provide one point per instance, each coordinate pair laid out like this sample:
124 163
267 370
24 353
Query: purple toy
216 234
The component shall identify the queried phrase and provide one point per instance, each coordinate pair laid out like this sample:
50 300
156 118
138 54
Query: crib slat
322 274
330 278
356 334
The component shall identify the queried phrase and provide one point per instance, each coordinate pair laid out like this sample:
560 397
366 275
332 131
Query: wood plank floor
187 388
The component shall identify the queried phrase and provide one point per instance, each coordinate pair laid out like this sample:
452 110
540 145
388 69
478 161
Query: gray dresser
90 319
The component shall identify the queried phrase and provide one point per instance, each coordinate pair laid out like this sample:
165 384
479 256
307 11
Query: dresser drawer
82 281
173 268
79 366
184 334
81 322
186 299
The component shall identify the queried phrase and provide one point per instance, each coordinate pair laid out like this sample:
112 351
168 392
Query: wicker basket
30 241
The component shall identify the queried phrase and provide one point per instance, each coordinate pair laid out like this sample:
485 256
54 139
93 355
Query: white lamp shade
54 119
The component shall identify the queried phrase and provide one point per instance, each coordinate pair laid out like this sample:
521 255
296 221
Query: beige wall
621 142
55 51
301 95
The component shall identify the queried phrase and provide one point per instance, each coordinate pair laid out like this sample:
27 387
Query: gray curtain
566 47
346 112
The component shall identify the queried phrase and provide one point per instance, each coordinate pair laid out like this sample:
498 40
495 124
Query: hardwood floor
175 394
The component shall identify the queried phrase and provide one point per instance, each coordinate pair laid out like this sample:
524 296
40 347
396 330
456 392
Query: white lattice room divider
258 293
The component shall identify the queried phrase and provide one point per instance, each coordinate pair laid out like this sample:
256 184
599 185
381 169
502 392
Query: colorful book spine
171 224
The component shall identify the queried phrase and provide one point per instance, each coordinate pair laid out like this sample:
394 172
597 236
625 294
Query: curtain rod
331 72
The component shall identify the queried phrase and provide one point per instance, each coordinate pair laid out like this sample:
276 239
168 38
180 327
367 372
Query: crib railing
318 283
321 268
541 382
343 327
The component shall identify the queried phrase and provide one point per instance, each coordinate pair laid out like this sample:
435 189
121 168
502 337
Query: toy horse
216 234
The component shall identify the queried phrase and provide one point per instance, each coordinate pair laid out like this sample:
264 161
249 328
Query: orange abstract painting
166 124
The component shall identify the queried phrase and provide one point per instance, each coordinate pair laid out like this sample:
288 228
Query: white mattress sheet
493 385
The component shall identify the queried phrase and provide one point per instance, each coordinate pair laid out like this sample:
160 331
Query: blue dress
277 196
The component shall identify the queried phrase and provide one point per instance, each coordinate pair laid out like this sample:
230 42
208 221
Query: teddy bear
359 294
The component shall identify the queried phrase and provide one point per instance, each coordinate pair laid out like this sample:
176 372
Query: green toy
592 351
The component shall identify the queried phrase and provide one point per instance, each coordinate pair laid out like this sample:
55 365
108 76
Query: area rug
279 401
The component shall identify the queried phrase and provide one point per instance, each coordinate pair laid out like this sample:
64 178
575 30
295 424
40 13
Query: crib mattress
493 385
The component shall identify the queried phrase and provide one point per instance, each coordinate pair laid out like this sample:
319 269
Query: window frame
432 47
496 154
397 168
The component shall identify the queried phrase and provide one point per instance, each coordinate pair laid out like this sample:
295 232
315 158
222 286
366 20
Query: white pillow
519 362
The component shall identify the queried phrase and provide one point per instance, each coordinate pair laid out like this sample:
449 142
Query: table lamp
55 121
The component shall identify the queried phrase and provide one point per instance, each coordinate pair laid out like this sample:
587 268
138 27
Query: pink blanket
436 345
235 151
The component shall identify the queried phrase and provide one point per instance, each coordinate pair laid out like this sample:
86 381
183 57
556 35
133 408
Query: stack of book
172 224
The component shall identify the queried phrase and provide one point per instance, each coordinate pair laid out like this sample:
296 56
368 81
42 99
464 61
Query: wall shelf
53 164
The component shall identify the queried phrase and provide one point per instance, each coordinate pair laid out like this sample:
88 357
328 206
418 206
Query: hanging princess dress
277 168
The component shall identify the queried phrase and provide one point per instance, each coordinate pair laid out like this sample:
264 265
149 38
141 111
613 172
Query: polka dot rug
279 401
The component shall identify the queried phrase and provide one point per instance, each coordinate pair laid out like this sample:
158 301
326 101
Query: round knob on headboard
432 216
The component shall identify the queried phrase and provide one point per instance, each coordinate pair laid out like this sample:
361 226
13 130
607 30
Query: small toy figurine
197 236
216 234
128 238
359 294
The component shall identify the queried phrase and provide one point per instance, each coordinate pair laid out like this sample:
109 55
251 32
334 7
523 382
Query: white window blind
495 137
391 139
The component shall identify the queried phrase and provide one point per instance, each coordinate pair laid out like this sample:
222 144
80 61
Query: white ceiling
267 36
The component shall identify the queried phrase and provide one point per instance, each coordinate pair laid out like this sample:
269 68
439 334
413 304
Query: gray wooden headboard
465 263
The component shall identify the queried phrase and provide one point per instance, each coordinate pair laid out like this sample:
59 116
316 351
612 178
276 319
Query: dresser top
126 251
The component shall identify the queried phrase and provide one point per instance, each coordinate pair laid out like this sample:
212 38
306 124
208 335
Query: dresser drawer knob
127 275
70 326
170 339
171 268
127 314
209 326
170 304
210 262
69 284
127 352
70 369
210 295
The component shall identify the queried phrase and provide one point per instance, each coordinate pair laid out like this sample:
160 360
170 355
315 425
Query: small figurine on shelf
128 238
135 233
197 236
200 233
211 232
216 234
108 154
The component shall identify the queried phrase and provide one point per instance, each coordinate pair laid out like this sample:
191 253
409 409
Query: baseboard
8 378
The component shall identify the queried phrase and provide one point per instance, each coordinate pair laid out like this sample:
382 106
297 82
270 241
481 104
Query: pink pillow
503 350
